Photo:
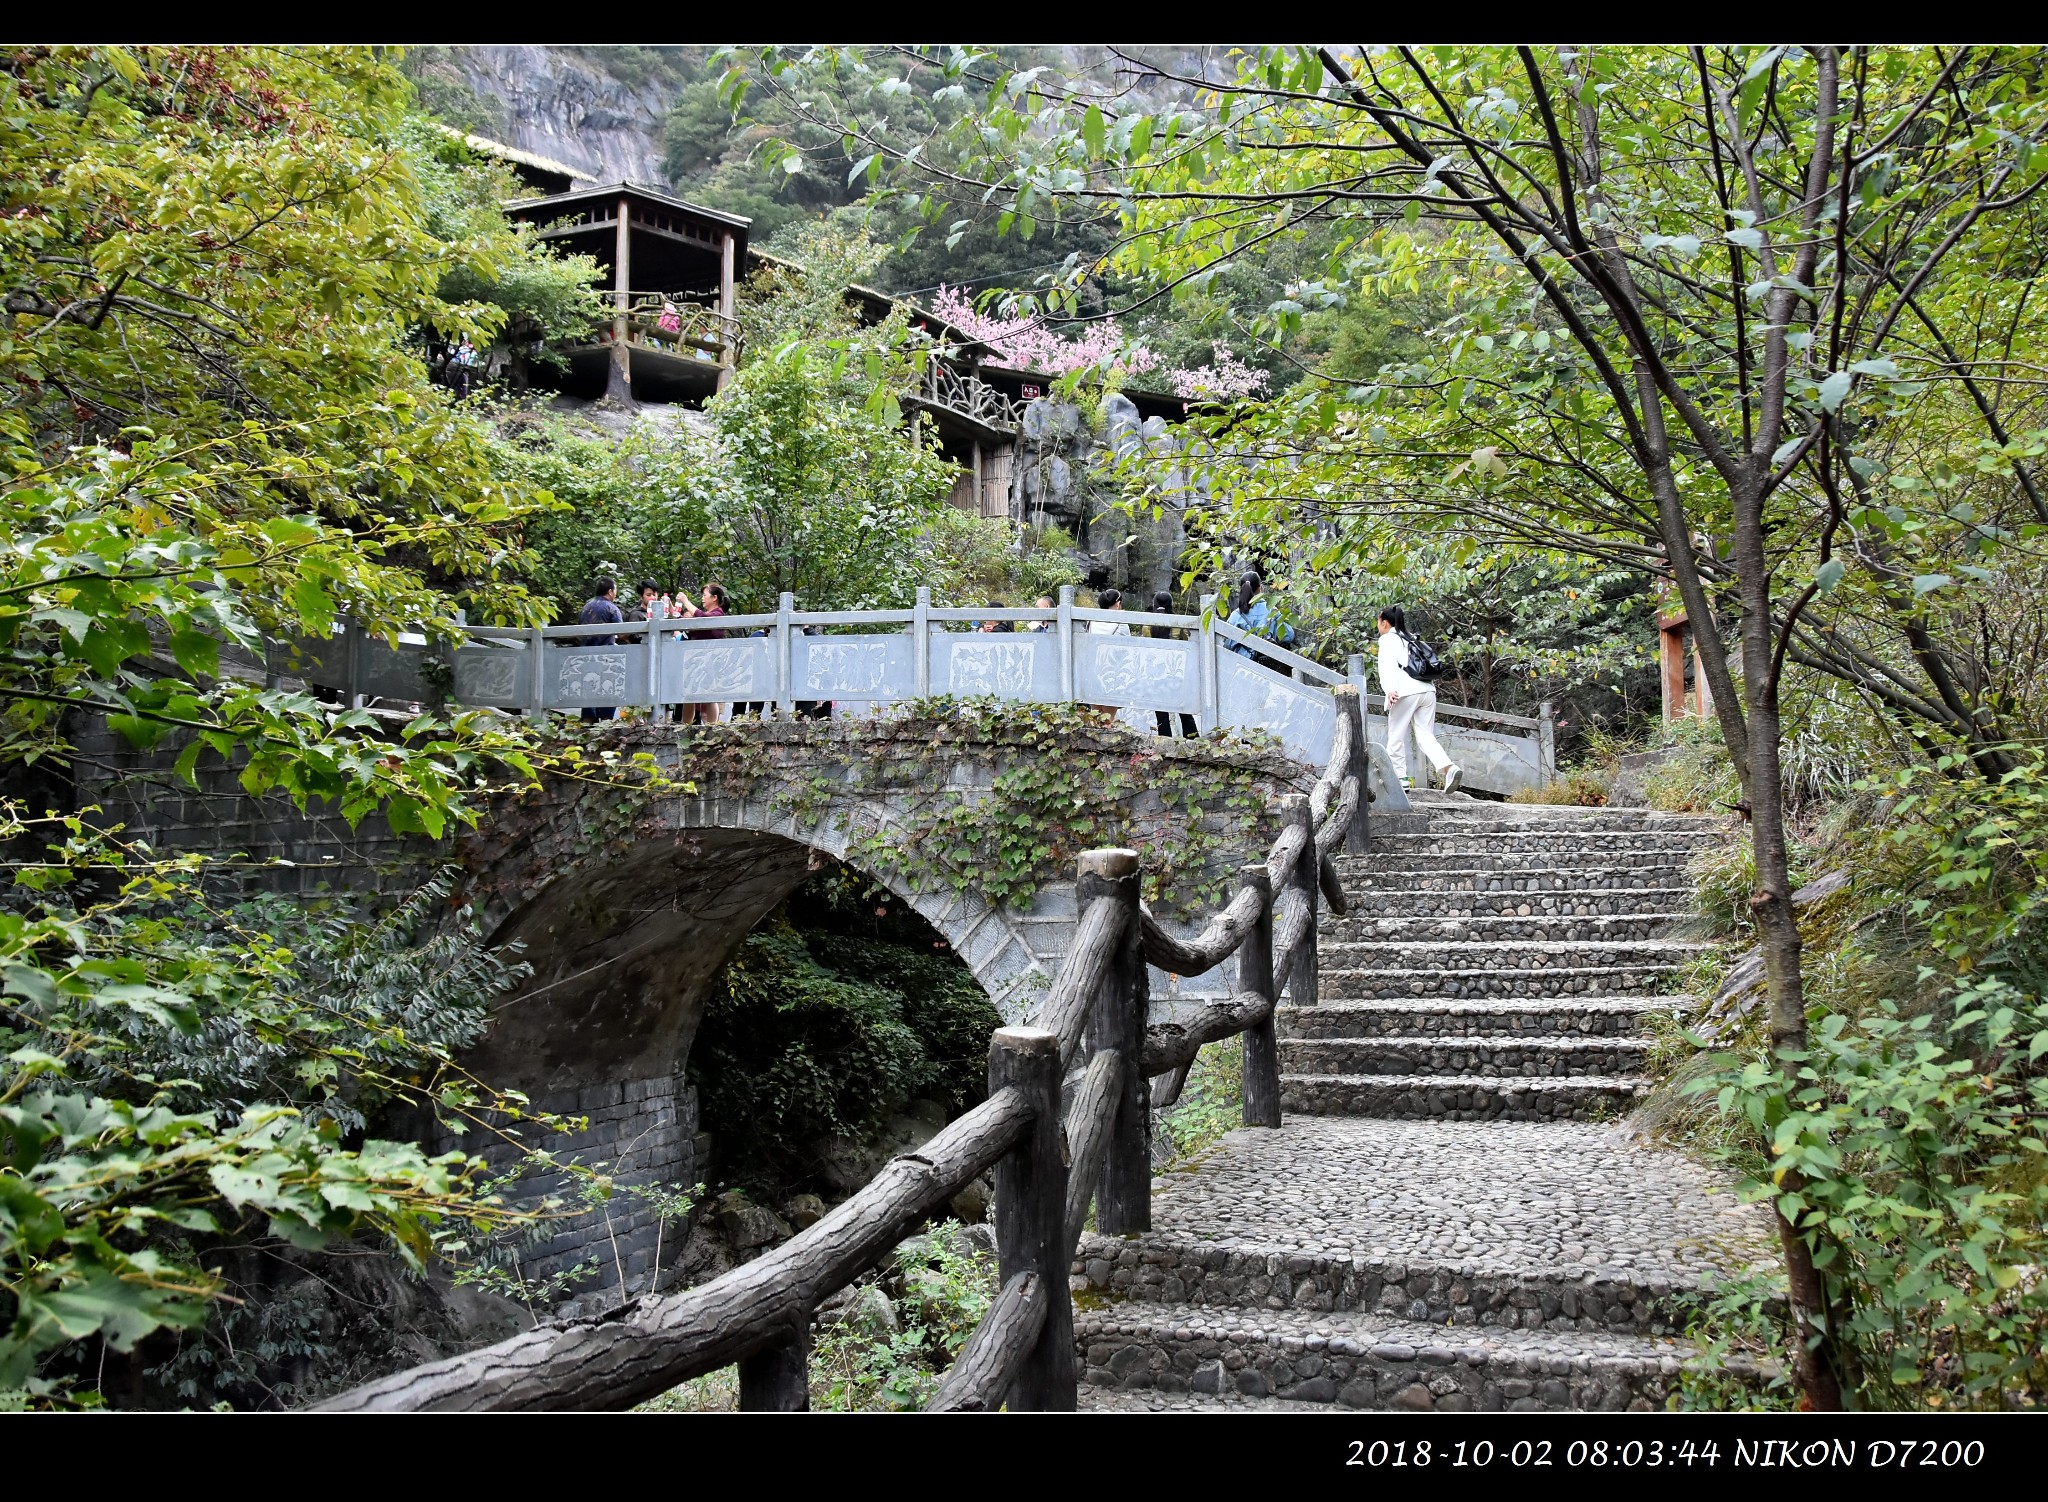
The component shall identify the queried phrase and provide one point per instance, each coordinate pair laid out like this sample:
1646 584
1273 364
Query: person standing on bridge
602 608
1162 604
714 604
1411 703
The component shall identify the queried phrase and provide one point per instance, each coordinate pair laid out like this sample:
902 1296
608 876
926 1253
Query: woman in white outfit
1411 704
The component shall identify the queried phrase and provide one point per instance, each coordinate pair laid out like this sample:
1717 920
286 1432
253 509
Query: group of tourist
656 604
1406 666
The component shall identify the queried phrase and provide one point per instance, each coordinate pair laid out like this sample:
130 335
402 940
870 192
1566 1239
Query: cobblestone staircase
1443 1223
1495 965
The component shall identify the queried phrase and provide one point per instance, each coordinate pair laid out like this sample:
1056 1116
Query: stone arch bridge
627 902
628 908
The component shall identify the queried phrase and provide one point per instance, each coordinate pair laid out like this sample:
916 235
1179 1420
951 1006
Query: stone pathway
1440 1224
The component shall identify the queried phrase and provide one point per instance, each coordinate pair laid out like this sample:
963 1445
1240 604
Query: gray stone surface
1368 1361
1437 1209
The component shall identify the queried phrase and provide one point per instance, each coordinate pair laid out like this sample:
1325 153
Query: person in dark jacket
601 609
1162 604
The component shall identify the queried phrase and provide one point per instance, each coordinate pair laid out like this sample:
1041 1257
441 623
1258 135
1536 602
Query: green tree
215 431
1736 318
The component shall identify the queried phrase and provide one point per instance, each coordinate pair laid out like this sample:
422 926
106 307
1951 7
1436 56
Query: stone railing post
1205 664
1123 1199
921 640
1030 1213
653 645
1255 974
785 656
1065 627
778 1380
1546 745
1351 705
537 677
1301 980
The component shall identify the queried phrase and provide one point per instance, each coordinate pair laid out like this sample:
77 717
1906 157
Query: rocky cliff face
564 107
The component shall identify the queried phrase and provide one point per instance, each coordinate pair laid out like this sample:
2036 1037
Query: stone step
1498 982
1395 866
1537 876
1591 821
1566 841
1370 934
1498 1058
1453 955
1394 900
1415 1016
1368 1361
1423 1097
1173 1267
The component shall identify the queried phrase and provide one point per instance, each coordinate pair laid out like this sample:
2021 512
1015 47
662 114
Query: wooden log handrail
1216 943
1065 1011
1090 1119
625 1359
987 1365
1168 1045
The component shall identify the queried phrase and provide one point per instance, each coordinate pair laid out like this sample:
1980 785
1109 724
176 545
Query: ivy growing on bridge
1063 780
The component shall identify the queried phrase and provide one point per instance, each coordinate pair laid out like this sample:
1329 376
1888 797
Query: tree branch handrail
667 1339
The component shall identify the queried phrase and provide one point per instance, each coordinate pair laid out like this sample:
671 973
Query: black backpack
1423 664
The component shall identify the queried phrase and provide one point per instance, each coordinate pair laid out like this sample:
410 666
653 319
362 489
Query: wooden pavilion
660 253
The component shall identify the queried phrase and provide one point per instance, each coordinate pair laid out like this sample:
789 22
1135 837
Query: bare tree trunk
1771 903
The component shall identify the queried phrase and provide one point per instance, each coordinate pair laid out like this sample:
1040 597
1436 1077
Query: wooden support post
1305 880
1123 1201
619 378
1030 1212
1351 705
727 356
1255 974
778 1380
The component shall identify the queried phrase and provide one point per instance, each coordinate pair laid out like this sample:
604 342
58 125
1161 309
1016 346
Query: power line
993 276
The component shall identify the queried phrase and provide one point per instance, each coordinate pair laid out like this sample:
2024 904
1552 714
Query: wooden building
671 264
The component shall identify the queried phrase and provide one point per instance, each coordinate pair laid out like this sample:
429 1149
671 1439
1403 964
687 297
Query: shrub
1922 1191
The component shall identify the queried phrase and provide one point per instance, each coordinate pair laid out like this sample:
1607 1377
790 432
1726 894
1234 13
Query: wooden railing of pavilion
968 396
1048 1169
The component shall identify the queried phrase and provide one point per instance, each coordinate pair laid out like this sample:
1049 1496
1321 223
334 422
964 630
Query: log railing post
1305 880
1351 705
1030 1212
1123 1200
778 1379
1255 974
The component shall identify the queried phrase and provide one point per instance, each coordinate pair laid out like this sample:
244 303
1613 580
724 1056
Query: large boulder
748 1225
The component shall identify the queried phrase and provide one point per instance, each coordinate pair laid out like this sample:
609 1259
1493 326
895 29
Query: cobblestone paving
1435 1228
1551 1197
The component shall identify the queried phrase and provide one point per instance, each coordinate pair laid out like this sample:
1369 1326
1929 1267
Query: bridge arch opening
632 950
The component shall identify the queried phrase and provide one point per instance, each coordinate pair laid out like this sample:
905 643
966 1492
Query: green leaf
1834 389
196 652
1925 584
1829 575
